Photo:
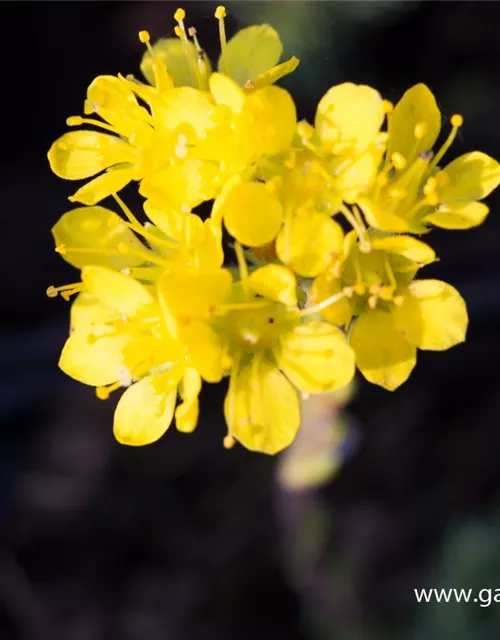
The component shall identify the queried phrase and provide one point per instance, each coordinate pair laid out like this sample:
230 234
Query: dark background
184 540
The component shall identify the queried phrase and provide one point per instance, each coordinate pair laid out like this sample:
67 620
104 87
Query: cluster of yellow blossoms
157 311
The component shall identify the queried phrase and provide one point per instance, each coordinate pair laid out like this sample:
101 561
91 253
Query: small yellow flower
411 191
250 57
275 351
394 314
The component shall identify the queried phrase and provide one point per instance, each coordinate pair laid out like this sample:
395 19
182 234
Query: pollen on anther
457 120
179 15
102 393
387 106
144 36
420 130
229 442
398 160
74 121
178 31
220 12
51 292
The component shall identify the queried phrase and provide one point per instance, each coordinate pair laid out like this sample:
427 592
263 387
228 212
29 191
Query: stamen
456 122
390 272
103 393
358 225
65 290
220 14
398 160
162 79
147 256
242 266
126 210
76 121
180 32
420 130
387 106
200 57
309 311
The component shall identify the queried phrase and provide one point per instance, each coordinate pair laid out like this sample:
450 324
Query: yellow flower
82 154
274 351
411 191
118 339
250 57
393 314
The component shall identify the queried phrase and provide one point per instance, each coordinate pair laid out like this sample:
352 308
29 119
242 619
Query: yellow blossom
392 314
411 191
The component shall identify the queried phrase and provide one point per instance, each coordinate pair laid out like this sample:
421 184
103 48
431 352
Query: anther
430 186
179 15
102 393
426 155
74 121
220 12
144 36
192 32
51 292
372 302
457 120
387 106
61 248
178 31
229 442
420 130
249 85
398 160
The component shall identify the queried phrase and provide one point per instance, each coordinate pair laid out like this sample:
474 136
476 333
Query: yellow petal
309 243
181 186
97 362
92 229
250 52
349 116
325 286
359 175
186 228
89 315
262 408
186 414
103 186
275 282
383 355
405 246
227 92
115 102
252 214
192 293
205 349
416 107
316 357
472 176
269 121
180 59
183 106
433 315
119 292
146 409
209 254
458 215
275 73
81 154
381 218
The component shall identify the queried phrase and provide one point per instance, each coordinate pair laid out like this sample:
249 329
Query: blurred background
184 540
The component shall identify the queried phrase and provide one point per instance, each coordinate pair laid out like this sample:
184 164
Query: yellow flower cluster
222 162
